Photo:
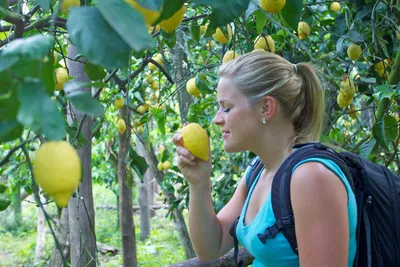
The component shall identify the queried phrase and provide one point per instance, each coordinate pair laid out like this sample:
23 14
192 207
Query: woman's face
238 120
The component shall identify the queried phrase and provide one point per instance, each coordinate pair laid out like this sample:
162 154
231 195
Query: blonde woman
267 105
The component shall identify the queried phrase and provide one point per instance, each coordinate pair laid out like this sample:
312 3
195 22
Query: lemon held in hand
195 139
57 169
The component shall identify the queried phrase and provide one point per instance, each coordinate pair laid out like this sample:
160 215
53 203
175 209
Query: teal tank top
276 252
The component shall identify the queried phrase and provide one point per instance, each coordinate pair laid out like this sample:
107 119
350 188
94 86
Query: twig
7 157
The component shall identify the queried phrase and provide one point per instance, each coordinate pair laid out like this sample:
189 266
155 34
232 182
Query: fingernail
192 157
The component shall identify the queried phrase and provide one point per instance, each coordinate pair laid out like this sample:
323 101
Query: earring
264 120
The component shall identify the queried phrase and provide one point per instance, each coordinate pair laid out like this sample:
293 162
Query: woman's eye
227 110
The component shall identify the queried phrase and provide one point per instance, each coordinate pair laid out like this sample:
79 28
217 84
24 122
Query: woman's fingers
181 151
183 161
177 139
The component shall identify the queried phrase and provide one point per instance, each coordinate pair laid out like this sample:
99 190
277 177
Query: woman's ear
268 107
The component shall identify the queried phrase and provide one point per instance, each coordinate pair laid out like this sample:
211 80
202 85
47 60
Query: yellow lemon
265 42
203 29
160 166
150 16
121 126
170 24
119 103
155 85
195 139
344 99
67 4
141 109
61 78
335 6
140 129
347 87
230 55
303 30
191 87
381 66
354 51
149 79
166 165
157 58
272 6
57 169
219 36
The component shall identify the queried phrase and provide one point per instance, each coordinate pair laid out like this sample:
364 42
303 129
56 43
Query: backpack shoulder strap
280 191
255 166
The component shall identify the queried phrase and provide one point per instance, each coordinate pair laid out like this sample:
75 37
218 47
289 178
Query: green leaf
39 112
94 72
3 8
10 130
123 19
3 188
81 141
202 85
195 30
291 12
7 61
83 100
151 4
391 128
4 203
367 147
170 7
34 47
223 12
159 116
378 131
44 4
137 163
355 36
96 39
336 135
261 20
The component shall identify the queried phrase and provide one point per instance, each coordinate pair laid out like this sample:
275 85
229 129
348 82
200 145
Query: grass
162 248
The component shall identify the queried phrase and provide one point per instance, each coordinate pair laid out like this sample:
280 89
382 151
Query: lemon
157 58
121 126
67 4
347 87
265 42
140 129
166 165
352 112
335 6
141 109
55 57
203 29
136 122
219 36
344 99
170 24
272 6
61 78
195 139
160 166
354 51
57 169
150 16
149 79
381 66
119 103
230 55
191 87
303 30
155 85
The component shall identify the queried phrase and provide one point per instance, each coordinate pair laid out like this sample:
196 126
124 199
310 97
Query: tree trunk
179 221
127 225
225 261
17 206
144 197
40 234
62 235
181 75
81 210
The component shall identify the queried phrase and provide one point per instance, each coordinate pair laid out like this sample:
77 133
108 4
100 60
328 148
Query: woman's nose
218 118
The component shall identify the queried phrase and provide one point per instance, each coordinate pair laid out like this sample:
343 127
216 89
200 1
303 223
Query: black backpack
377 192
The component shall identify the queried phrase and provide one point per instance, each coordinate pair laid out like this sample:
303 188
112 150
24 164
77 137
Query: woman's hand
193 169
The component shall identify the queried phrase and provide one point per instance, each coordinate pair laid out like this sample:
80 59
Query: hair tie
295 67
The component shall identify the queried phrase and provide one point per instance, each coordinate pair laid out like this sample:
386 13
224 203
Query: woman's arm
319 201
